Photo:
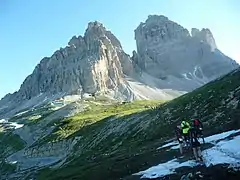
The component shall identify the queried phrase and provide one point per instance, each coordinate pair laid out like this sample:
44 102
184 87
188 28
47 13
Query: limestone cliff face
167 51
89 64
93 63
205 35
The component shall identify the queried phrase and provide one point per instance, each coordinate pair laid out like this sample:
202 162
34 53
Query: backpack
196 122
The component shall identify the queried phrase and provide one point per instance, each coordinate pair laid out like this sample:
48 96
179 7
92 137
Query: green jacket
185 127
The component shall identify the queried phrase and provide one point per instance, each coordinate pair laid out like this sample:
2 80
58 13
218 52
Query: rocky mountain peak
153 19
96 32
91 63
95 24
167 51
157 31
205 35
95 28
76 41
161 29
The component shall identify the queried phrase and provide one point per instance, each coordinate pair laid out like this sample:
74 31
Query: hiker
178 132
185 130
198 126
195 144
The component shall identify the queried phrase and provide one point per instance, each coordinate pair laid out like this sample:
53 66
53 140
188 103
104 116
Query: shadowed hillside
116 147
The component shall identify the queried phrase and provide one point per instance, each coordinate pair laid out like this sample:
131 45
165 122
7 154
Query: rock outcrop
167 51
206 36
89 64
94 63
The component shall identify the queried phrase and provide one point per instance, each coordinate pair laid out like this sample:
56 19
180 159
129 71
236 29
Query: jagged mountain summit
169 62
89 64
185 61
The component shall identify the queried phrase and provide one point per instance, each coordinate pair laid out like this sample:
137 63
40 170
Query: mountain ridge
166 48
96 63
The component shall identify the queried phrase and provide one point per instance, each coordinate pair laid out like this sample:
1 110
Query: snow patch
165 169
213 157
216 137
73 98
86 95
210 139
21 113
175 147
168 144
185 76
16 126
195 70
13 162
225 152
11 124
3 121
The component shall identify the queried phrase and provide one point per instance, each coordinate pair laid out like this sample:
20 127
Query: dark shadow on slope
115 156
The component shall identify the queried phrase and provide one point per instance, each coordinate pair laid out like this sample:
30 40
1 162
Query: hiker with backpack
179 136
198 126
195 144
185 131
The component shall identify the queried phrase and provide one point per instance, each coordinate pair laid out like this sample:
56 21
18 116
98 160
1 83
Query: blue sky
31 30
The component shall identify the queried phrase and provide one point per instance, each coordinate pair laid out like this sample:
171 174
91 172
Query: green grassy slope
111 148
31 116
10 143
94 113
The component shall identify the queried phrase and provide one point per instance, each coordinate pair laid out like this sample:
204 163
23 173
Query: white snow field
14 125
168 145
164 169
225 151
